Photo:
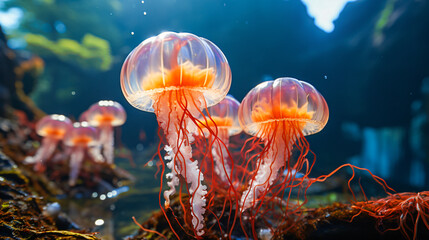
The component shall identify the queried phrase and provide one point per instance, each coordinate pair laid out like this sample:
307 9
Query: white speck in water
139 147
132 33
326 77
94 194
99 222
102 197
73 93
142 1
144 13
150 163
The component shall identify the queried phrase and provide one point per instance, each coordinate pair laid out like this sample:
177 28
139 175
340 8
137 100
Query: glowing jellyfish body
52 128
224 123
281 113
105 115
176 75
80 138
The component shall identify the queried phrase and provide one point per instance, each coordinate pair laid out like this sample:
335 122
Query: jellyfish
224 123
280 113
52 128
80 138
176 75
105 115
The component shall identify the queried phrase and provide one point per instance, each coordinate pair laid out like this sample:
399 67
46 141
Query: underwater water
369 60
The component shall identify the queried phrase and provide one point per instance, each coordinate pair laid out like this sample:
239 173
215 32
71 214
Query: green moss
92 53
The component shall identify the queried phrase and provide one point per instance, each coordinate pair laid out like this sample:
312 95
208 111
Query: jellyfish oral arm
45 150
278 151
220 155
174 119
107 140
75 164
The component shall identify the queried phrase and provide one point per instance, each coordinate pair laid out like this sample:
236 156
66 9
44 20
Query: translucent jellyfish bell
283 99
225 115
172 61
105 112
53 126
81 135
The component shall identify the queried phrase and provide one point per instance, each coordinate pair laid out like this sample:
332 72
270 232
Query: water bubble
326 77
144 13
73 93
102 197
132 33
99 222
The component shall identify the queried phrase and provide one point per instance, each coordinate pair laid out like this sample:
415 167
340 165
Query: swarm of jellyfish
184 79
91 138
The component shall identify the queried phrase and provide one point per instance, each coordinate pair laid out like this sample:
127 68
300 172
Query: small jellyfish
80 138
224 123
176 75
53 129
280 113
105 115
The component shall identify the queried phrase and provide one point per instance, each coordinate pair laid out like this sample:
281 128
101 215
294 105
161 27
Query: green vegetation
92 53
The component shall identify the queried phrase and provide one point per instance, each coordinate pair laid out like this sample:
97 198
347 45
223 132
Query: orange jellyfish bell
280 113
171 62
176 75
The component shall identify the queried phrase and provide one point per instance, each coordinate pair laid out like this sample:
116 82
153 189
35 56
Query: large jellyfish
176 75
80 138
105 115
224 123
280 113
52 128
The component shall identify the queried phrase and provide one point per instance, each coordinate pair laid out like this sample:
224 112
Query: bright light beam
325 12
10 19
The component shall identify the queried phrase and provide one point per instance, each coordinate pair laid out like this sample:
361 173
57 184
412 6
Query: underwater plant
176 76
80 138
105 115
52 128
224 123
280 113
